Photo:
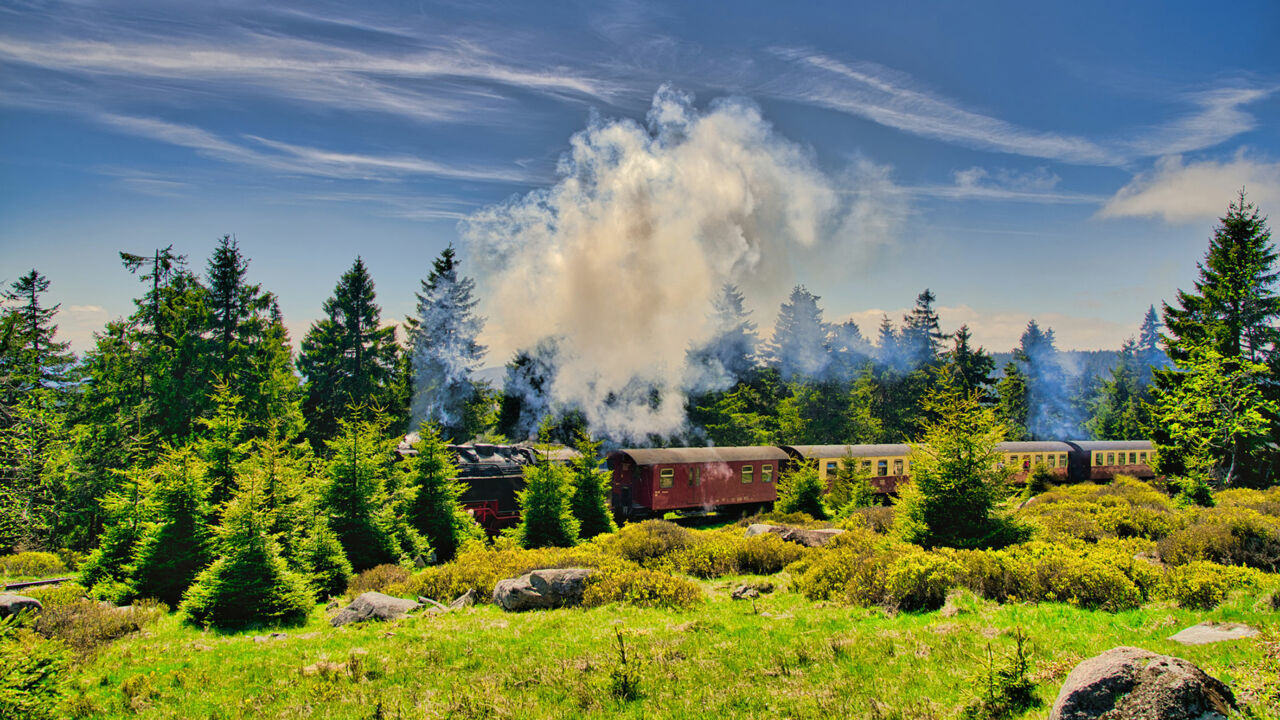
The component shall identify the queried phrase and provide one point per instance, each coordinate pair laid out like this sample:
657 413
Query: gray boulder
542 589
465 600
373 606
14 604
802 536
1212 632
1128 683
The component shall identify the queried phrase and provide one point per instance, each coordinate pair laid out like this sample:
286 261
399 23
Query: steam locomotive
649 482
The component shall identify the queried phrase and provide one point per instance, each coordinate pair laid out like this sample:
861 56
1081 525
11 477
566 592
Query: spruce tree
38 359
800 490
175 545
1012 407
249 582
443 340
922 334
799 346
1049 412
1233 312
223 447
590 501
972 368
437 512
321 558
347 357
546 518
851 487
729 355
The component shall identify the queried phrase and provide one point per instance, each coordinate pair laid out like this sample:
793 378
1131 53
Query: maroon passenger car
655 481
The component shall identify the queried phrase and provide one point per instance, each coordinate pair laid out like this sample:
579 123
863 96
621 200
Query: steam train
652 482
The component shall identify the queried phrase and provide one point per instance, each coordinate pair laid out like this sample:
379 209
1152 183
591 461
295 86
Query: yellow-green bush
638 586
1266 501
86 625
1231 535
642 543
920 581
877 518
31 564
479 569
852 567
727 552
1124 508
380 578
33 673
1106 576
1204 585
55 595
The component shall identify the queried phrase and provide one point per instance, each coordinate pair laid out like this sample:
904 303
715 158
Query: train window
1039 459
1097 458
748 473
1133 458
766 473
1062 460
1053 461
1111 458
695 476
667 477
866 464
831 469
882 468
897 467
1142 458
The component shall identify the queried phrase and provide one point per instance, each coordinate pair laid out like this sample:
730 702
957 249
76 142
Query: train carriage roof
1096 445
675 456
809 452
1034 446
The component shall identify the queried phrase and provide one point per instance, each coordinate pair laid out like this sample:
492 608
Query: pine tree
223 447
361 510
1118 408
443 338
546 518
1150 357
1012 407
972 368
800 490
34 358
590 501
249 582
956 478
1049 413
175 545
321 557
347 357
851 487
799 344
437 512
889 345
729 355
1227 325
922 334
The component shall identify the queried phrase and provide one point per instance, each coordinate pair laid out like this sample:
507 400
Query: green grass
782 657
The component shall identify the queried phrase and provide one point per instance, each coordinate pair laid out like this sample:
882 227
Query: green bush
645 588
55 595
478 568
383 578
920 581
801 490
1266 501
852 567
1228 536
322 559
1124 508
33 672
877 518
644 542
1106 577
1204 585
727 552
31 564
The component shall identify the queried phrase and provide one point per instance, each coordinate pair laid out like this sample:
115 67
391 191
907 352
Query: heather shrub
1204 585
56 595
877 518
646 588
776 517
31 564
1124 508
86 625
852 567
382 578
1228 536
1266 501
644 542
1105 577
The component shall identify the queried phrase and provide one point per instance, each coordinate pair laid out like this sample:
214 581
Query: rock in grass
542 589
13 604
373 606
1212 632
801 536
465 600
1128 683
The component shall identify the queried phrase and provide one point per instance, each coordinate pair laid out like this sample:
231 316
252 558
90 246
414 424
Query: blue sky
1064 163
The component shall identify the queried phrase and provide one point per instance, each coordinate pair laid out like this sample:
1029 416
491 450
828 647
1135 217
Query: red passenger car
656 481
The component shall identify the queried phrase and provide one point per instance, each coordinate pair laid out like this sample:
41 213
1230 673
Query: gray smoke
623 258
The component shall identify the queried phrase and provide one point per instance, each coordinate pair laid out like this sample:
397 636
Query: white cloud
305 160
977 183
1186 192
1218 119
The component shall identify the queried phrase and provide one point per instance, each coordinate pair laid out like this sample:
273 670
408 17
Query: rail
36 583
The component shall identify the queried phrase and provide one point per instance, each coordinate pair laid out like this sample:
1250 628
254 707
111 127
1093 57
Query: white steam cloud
622 259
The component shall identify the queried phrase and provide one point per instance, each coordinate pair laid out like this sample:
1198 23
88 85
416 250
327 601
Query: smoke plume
624 257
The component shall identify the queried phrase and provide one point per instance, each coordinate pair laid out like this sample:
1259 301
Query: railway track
35 583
